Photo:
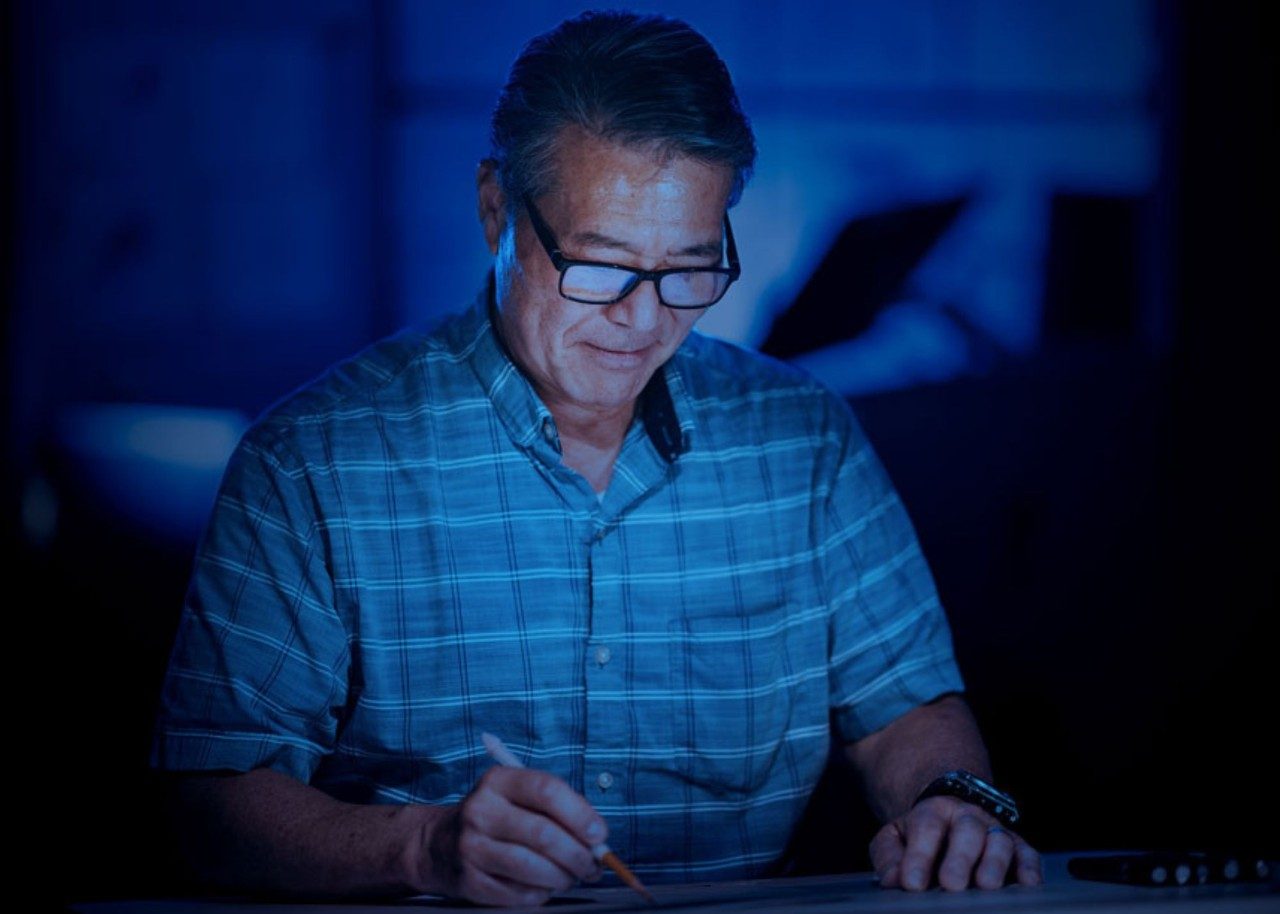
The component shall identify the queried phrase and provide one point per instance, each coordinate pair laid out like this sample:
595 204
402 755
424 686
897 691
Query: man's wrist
970 788
433 859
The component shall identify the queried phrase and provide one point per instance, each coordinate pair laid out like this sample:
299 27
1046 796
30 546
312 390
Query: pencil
502 755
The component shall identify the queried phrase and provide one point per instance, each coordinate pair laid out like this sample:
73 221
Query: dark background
1036 249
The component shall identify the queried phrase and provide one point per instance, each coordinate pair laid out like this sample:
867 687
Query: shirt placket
613 662
606 782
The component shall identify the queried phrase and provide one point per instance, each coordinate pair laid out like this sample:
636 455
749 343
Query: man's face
620 205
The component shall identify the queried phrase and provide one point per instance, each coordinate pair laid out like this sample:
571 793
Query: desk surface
823 894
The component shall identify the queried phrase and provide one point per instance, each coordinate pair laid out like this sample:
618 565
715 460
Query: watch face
982 787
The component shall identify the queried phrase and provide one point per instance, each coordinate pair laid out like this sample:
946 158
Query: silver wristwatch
972 789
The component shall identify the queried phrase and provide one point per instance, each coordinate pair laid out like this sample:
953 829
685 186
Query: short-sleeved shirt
398 561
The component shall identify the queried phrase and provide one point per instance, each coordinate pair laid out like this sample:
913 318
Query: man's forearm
265 831
899 761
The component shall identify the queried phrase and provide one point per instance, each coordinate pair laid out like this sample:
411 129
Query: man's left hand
908 851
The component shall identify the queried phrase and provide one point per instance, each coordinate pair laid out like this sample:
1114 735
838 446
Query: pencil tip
611 860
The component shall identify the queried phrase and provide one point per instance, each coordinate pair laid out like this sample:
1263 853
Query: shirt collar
664 407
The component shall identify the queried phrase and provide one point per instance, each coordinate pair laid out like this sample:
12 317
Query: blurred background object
1033 244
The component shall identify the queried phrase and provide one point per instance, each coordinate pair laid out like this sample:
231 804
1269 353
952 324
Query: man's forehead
611 169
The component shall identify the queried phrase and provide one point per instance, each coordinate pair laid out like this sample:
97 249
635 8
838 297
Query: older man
657 565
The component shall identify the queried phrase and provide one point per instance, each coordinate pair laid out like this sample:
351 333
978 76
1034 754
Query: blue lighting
155 467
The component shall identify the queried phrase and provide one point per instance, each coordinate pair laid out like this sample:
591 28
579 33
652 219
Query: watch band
972 789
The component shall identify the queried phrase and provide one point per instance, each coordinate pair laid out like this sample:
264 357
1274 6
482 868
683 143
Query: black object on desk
1169 868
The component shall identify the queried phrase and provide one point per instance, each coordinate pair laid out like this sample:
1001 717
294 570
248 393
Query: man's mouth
621 357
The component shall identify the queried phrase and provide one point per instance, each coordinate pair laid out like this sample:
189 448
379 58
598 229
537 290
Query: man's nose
641 309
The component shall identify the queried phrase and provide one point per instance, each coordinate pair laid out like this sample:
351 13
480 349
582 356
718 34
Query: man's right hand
519 836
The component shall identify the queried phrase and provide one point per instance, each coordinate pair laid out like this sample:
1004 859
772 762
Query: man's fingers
965 845
542 792
516 863
996 858
1030 866
925 828
488 814
484 888
547 839
886 854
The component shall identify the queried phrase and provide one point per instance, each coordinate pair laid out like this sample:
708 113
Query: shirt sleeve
891 647
257 676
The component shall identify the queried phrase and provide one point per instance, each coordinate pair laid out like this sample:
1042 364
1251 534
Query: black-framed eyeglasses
594 283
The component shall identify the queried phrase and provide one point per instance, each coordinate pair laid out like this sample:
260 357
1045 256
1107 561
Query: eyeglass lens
601 285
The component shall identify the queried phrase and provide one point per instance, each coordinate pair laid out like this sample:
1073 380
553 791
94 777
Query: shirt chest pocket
733 697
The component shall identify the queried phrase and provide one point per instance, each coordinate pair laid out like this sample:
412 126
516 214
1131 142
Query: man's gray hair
629 78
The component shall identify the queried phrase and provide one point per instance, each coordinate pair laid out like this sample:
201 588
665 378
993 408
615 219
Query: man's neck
590 440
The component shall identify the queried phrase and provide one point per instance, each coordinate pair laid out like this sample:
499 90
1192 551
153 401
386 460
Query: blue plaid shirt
398 561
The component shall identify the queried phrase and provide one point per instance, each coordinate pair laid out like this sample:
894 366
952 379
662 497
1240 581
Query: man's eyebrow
596 240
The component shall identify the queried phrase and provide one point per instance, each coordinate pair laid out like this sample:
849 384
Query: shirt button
604 781
603 655
548 430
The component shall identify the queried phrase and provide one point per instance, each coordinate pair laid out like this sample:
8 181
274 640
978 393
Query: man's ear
492 203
